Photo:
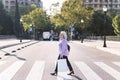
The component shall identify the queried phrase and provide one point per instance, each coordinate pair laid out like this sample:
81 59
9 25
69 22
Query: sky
48 3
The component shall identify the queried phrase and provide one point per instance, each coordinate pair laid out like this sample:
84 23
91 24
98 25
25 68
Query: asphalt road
37 61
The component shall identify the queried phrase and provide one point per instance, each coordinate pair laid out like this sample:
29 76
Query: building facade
10 4
99 4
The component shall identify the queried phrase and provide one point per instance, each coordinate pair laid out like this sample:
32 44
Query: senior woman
63 52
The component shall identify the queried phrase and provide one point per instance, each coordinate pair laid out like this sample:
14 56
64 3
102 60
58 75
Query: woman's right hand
61 56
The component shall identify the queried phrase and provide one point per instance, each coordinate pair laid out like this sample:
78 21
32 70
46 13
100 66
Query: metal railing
110 38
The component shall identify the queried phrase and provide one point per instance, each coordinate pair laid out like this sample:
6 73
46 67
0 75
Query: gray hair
64 34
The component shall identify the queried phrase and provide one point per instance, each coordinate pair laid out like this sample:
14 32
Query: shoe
71 73
54 74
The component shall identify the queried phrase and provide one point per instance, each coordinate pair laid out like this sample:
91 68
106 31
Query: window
111 0
101 1
86 1
95 5
106 0
116 6
96 0
116 1
22 3
100 5
110 5
26 3
6 2
6 7
12 1
91 1
12 7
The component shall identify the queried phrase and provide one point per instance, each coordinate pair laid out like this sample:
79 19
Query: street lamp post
72 30
52 32
105 11
82 21
31 31
21 31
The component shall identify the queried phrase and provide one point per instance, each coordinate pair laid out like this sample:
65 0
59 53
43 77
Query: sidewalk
9 46
113 47
9 42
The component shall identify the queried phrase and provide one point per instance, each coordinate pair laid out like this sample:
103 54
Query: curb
18 49
100 48
6 46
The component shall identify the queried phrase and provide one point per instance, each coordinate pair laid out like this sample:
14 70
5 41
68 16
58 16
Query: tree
98 26
4 18
116 24
17 29
58 21
74 10
55 9
39 18
26 21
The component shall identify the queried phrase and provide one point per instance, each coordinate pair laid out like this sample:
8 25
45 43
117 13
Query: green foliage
116 24
58 20
26 21
32 7
17 29
71 13
5 29
37 18
22 10
99 26
54 9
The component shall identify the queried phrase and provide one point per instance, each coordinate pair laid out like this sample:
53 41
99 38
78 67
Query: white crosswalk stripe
2 62
114 73
117 63
36 71
63 70
63 76
11 70
87 71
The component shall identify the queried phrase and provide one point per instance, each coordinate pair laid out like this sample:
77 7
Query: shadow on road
67 77
11 45
77 77
4 51
20 58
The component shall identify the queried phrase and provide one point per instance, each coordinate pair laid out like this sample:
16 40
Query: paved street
37 61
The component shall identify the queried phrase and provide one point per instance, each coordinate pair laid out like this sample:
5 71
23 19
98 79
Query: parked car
55 37
46 35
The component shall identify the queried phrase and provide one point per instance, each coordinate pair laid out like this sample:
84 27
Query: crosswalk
87 71
10 71
36 72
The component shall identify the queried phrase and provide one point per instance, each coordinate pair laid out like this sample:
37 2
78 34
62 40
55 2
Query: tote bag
62 65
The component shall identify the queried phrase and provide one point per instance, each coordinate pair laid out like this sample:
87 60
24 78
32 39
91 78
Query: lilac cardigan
63 50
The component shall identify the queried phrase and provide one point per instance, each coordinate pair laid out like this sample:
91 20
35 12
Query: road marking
114 73
87 71
36 71
63 76
11 71
2 62
117 63
63 70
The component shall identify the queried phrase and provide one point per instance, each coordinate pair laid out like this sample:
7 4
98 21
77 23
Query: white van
46 35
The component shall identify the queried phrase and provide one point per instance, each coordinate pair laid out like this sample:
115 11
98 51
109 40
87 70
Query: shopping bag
62 65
